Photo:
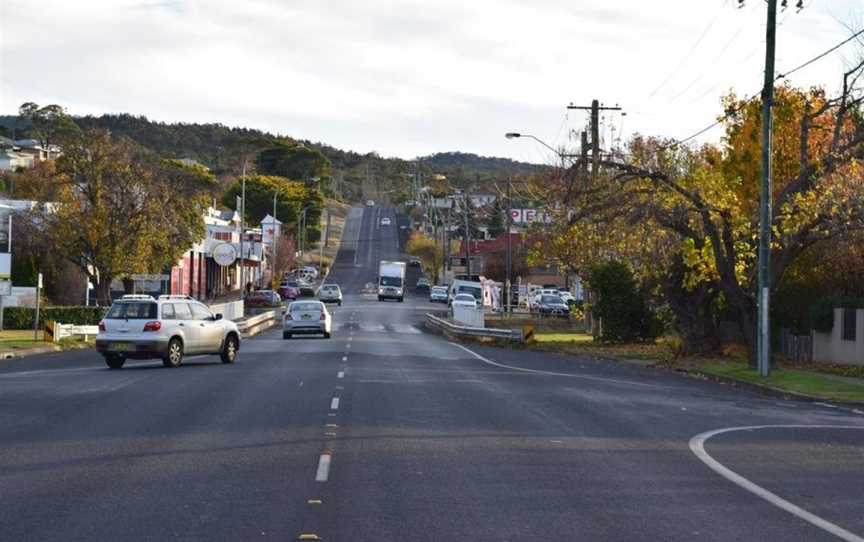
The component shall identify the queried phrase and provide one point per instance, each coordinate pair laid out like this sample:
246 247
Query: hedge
22 317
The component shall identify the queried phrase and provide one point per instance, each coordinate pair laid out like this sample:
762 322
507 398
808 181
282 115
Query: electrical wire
780 76
690 51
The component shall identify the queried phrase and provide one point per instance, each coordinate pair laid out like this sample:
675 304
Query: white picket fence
62 331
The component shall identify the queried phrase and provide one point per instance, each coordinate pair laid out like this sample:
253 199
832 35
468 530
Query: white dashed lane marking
323 468
334 403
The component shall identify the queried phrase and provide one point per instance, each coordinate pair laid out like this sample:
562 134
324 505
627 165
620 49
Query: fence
797 348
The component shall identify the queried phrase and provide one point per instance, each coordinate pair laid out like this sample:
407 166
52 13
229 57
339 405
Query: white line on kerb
340 374
697 446
334 403
323 468
551 373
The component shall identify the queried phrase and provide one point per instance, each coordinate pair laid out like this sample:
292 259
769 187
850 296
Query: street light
561 155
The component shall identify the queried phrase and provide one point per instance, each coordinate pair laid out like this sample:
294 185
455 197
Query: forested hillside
355 176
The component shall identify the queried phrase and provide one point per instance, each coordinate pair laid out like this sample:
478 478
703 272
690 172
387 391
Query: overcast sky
408 78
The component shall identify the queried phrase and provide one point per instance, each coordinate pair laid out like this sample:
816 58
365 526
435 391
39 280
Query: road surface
387 433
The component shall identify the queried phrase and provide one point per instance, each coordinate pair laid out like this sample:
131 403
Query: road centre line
334 403
340 374
552 373
697 446
323 471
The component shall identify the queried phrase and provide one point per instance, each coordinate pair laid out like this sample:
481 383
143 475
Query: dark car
263 298
289 290
414 262
422 284
552 305
306 289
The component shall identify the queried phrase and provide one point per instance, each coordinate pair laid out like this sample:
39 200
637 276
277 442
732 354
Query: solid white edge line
552 373
334 403
340 374
323 471
697 446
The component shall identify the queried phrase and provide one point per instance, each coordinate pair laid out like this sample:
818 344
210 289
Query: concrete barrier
231 310
254 325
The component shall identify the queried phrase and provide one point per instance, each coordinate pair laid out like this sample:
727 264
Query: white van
466 287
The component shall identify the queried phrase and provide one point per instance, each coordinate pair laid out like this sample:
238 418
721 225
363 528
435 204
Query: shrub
620 304
22 317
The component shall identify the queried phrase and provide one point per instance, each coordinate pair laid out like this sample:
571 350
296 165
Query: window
133 310
302 307
182 311
391 281
849 324
200 312
168 311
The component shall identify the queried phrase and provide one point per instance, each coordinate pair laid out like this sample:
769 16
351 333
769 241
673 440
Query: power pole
508 282
467 238
763 340
595 109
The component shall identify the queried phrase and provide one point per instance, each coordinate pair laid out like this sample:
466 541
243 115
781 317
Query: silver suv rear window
132 310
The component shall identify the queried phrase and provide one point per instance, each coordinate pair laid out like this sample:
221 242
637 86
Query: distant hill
355 176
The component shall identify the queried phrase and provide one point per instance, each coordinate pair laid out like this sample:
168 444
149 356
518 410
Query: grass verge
805 380
790 379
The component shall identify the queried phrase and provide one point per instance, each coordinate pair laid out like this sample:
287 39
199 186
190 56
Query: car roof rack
138 296
177 296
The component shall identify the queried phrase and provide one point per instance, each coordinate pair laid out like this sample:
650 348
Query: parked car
463 300
535 301
306 317
289 290
422 284
167 328
330 293
385 221
307 289
566 296
552 305
438 294
263 298
310 271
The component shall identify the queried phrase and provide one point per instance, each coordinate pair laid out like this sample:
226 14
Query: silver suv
141 327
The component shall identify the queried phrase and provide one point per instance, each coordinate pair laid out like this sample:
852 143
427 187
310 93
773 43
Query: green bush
22 317
620 304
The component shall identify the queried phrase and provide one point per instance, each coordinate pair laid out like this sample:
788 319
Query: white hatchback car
330 293
141 327
385 221
306 318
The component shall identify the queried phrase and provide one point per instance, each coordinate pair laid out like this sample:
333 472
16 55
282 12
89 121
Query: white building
11 160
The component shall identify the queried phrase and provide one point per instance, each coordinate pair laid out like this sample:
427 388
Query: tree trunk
103 292
694 313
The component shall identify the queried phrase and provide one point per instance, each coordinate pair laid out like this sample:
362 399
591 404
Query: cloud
402 78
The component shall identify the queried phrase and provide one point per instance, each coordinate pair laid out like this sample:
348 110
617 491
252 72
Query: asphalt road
387 433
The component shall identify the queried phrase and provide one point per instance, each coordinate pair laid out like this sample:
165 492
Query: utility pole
274 240
242 232
508 281
595 109
467 238
763 340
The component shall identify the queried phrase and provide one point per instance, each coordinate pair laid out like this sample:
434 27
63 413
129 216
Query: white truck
391 280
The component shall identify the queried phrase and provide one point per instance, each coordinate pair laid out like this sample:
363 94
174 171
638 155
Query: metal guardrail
446 326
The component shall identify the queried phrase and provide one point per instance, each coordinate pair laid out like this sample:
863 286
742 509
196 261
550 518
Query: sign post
36 319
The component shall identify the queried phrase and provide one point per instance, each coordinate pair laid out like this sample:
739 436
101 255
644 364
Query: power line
820 57
733 111
690 51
